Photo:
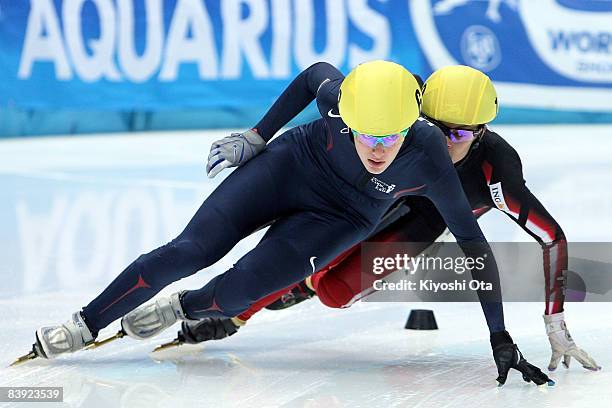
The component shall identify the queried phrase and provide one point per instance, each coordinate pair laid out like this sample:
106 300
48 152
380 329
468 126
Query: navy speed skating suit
311 182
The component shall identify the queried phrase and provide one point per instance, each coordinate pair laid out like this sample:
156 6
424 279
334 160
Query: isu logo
497 195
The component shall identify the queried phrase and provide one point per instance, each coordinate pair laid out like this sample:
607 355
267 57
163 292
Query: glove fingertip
596 368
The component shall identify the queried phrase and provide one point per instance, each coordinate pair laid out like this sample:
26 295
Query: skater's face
376 159
459 138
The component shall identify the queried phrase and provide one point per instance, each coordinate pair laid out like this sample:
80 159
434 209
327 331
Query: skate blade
166 346
97 344
30 356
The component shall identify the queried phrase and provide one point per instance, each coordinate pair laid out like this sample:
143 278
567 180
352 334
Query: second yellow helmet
461 95
379 98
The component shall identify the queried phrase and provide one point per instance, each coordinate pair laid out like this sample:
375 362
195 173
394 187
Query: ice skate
148 320
52 341
212 328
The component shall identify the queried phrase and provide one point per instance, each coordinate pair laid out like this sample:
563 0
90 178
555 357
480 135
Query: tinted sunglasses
459 135
387 141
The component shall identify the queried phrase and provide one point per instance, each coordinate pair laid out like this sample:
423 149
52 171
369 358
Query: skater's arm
504 174
447 195
445 191
238 148
503 171
302 90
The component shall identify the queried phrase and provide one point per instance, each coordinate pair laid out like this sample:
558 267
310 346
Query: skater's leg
339 283
296 293
265 301
251 196
344 283
284 256
304 286
303 290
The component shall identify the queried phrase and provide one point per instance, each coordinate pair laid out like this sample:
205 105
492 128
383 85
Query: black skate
211 328
297 295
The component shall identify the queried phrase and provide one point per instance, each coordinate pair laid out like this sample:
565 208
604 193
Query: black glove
507 356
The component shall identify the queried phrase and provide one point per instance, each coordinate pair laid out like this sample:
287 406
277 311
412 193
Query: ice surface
75 211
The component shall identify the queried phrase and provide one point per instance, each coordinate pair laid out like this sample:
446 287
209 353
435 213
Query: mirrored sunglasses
387 140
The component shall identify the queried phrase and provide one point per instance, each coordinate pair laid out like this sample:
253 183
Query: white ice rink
76 210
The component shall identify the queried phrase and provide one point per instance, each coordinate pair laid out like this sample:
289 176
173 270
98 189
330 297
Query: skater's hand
507 356
233 151
563 345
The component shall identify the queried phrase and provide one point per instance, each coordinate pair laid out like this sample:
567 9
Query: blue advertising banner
160 55
157 54
548 54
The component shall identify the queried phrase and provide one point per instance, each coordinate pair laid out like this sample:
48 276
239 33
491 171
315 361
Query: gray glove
563 345
234 151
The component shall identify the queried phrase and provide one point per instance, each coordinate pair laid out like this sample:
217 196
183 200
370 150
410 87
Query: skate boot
148 320
211 328
297 295
52 341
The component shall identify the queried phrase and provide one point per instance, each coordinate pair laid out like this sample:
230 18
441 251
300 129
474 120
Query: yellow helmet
379 98
461 95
